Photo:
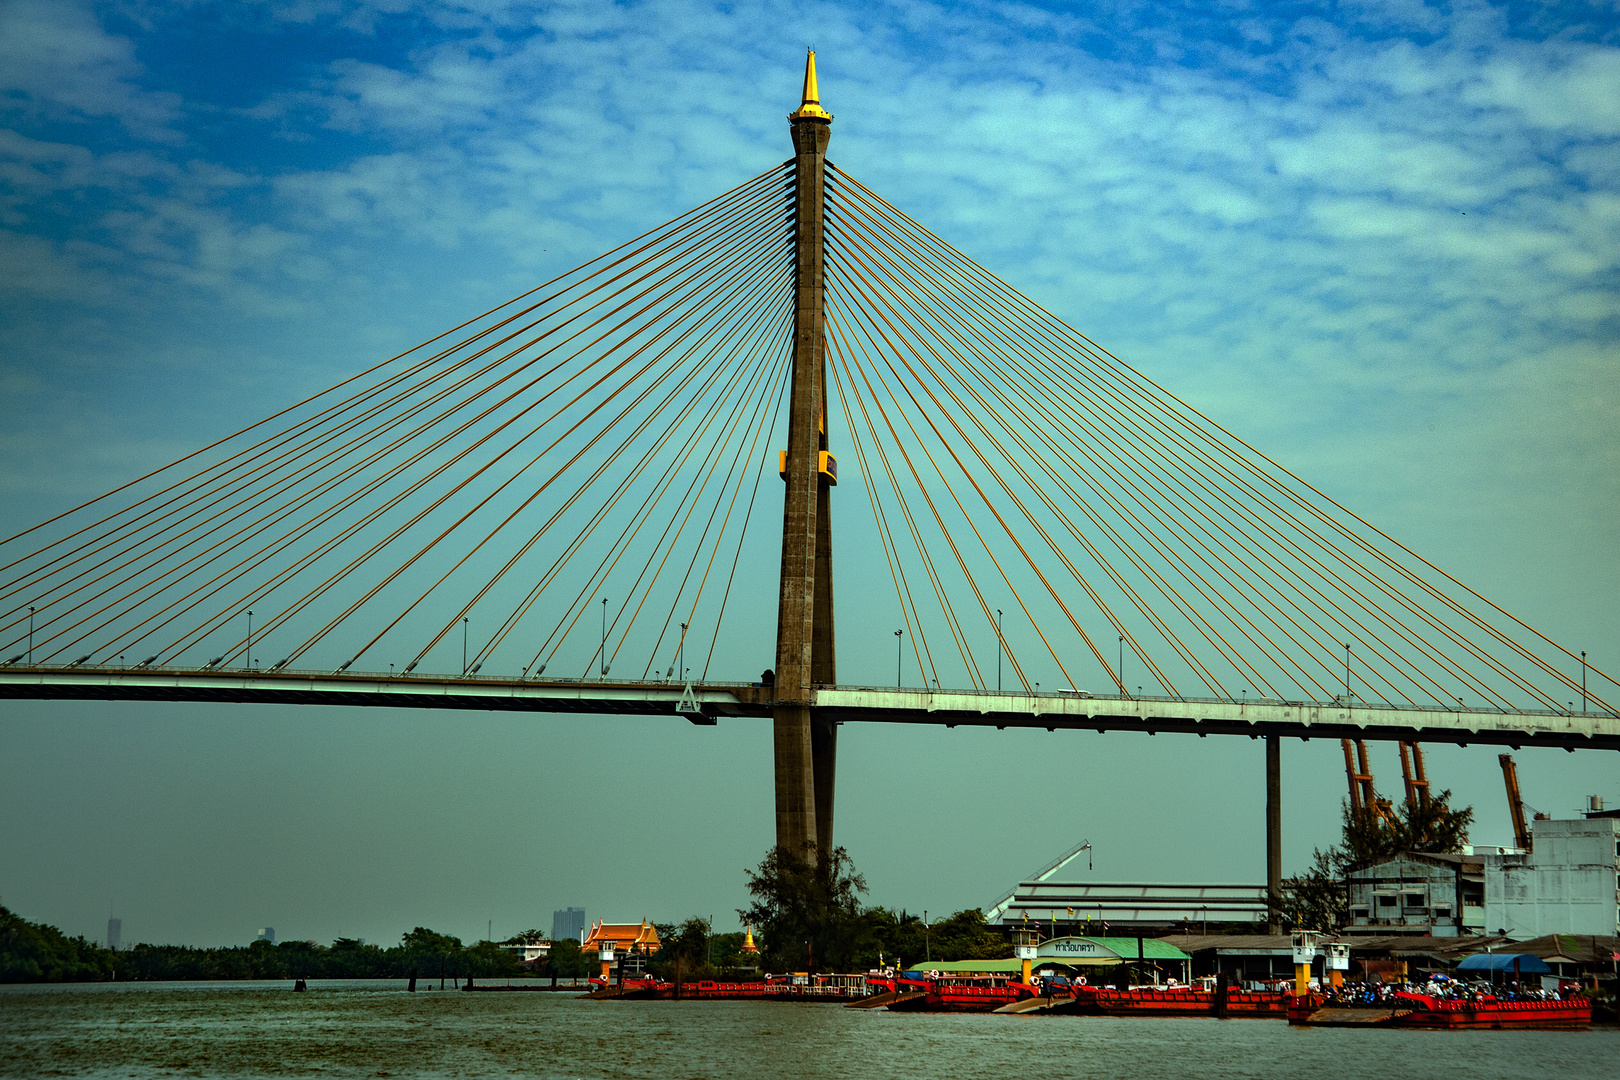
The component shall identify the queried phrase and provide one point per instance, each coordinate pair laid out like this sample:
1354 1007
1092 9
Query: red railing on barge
1408 1010
1180 1001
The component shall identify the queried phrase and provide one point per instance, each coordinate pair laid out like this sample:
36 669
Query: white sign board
1024 952
1075 948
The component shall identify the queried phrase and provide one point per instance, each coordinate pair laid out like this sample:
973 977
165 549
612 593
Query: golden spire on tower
748 942
811 108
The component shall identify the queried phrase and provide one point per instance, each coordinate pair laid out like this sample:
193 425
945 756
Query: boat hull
1231 1004
1421 1011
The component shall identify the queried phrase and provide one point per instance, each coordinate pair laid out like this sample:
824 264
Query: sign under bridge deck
707 702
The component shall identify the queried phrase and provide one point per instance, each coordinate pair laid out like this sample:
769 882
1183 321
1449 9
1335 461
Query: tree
567 960
422 943
1433 827
36 952
809 912
684 952
1315 900
903 938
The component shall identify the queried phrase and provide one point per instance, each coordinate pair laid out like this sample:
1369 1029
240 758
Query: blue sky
1381 241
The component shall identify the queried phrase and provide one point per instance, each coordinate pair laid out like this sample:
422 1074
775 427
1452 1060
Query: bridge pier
824 764
1274 831
795 779
804 749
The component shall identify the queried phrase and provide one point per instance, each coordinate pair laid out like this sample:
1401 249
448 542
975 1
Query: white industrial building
1567 883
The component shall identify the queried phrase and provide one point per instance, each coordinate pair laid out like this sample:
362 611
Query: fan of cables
568 482
592 447
1038 500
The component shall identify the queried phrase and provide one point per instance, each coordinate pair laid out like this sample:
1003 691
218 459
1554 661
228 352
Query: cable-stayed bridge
570 503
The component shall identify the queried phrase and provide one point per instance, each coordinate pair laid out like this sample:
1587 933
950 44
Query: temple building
632 943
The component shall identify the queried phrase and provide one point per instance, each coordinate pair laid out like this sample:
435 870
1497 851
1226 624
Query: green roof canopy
1068 951
1106 950
956 967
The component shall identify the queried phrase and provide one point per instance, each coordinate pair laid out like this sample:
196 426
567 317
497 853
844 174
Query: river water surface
376 1029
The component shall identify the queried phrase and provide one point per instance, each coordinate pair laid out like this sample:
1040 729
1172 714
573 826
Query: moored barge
1408 1010
1179 1001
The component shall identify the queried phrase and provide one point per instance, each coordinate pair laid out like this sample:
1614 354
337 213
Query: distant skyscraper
567 923
268 933
115 933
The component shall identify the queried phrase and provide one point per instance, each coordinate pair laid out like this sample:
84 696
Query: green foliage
727 952
903 937
33 952
800 909
1430 828
1315 900
809 913
567 961
683 955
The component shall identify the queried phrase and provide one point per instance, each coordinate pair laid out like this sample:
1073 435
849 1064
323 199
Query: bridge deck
846 704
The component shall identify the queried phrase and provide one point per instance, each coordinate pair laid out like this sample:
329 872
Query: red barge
1179 1001
812 988
968 993
1407 1010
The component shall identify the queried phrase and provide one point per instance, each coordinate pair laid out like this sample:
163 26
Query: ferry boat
1409 1010
920 991
1178 1001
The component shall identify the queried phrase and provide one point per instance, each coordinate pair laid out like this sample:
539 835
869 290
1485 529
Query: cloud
1342 214
56 60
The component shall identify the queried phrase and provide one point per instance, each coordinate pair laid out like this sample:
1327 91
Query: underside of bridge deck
829 705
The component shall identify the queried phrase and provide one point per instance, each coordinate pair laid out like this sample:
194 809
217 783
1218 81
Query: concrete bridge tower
806 748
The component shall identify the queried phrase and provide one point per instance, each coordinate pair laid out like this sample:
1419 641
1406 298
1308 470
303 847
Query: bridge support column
795 779
804 760
1274 831
824 761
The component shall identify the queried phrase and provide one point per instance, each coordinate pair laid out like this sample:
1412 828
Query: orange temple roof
627 936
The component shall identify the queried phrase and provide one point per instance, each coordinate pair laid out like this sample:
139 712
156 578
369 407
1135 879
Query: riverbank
370 1028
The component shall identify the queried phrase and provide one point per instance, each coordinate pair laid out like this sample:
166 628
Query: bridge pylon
805 749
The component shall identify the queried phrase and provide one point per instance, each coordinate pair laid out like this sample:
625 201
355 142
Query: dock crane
1363 796
1417 781
1510 777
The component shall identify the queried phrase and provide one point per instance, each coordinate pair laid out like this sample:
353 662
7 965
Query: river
376 1029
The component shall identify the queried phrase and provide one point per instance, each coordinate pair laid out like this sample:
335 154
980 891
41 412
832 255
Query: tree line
37 952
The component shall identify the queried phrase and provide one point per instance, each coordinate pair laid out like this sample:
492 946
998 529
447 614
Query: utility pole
464 645
898 635
250 642
604 664
805 749
998 651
